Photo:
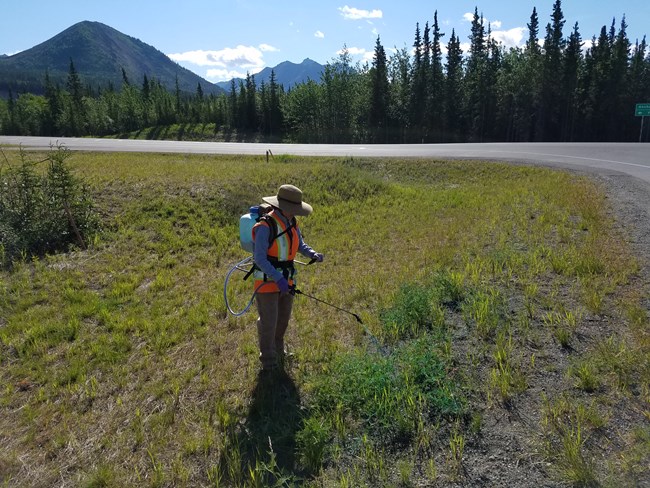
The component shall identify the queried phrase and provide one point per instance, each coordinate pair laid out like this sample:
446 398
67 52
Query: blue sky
222 39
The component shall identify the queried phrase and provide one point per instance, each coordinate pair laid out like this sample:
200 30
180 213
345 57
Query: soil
508 449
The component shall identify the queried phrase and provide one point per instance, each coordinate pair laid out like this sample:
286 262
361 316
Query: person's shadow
273 420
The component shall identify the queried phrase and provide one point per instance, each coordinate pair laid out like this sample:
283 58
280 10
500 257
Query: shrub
43 211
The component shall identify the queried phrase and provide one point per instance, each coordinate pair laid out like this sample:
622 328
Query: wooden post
641 133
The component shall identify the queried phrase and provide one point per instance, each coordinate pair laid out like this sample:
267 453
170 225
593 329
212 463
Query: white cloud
229 62
359 52
319 34
268 48
510 38
351 13
240 56
216 75
353 51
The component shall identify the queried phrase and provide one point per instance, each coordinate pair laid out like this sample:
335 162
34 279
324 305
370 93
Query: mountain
287 74
99 54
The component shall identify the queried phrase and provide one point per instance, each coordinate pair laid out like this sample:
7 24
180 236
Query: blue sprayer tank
246 223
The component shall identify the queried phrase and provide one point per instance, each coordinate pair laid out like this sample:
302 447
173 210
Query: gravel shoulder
629 198
507 452
629 202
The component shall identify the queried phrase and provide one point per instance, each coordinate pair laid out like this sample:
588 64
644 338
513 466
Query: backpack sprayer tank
246 223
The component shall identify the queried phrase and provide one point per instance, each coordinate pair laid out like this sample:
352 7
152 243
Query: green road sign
642 110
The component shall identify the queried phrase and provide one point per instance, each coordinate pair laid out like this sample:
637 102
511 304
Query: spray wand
296 291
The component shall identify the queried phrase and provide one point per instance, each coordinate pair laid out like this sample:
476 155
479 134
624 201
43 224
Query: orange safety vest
281 253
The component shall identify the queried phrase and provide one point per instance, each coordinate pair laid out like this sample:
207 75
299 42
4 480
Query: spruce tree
619 106
198 106
453 101
638 89
275 111
125 78
232 106
146 89
572 68
529 101
552 97
418 88
53 97
146 101
436 83
265 112
491 75
475 80
425 83
75 108
378 114
597 77
179 107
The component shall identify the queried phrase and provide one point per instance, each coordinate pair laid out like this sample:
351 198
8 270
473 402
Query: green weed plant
386 394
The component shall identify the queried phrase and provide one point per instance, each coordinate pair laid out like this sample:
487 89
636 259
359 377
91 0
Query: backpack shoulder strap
291 225
273 226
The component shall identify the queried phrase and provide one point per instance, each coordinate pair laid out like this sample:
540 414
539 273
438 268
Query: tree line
555 88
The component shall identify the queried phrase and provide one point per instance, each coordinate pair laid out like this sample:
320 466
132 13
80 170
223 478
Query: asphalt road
629 158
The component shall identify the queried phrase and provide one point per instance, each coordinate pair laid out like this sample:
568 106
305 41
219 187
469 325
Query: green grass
386 395
478 280
568 426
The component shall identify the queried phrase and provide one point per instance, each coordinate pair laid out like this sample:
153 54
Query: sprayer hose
236 267
239 267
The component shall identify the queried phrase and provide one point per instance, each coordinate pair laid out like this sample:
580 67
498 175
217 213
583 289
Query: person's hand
319 257
283 285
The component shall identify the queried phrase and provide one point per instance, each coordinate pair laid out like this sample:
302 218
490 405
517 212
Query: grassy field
509 345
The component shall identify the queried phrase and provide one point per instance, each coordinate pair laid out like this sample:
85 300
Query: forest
555 88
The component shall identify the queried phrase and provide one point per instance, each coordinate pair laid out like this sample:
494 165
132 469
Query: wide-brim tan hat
289 199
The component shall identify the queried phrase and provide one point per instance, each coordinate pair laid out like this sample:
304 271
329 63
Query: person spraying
276 242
